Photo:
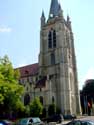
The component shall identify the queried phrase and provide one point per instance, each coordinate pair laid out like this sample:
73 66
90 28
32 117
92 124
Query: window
53 100
26 99
52 39
41 100
52 59
77 123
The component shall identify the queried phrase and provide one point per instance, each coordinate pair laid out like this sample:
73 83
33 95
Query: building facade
54 78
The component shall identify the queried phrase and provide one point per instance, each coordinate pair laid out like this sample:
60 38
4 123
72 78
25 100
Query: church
54 78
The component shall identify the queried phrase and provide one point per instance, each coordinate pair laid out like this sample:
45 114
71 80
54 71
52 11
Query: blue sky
20 31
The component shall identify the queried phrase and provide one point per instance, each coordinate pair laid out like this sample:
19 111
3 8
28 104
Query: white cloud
4 29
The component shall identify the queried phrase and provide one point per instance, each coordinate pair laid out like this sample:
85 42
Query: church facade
54 78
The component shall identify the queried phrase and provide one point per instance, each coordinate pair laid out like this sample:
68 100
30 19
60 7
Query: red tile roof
29 70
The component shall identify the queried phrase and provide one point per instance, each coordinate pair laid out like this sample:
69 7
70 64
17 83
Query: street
79 117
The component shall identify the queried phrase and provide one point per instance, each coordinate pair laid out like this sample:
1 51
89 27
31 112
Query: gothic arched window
50 40
54 39
41 100
26 99
53 100
52 58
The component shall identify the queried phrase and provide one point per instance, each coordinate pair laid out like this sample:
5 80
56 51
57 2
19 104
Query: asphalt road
86 117
79 117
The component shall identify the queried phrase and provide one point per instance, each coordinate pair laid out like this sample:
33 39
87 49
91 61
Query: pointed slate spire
54 9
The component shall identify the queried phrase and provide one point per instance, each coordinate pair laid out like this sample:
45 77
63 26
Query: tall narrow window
26 99
50 40
54 39
53 100
52 59
41 100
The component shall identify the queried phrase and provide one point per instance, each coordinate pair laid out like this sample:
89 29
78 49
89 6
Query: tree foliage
87 96
88 88
36 107
10 90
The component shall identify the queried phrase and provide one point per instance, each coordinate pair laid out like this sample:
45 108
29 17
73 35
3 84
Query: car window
90 123
77 123
1 124
23 121
30 121
84 123
34 120
71 123
38 120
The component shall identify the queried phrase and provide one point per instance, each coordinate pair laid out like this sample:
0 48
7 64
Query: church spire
54 9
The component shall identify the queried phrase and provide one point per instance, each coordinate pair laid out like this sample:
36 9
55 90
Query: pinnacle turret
42 16
42 19
69 22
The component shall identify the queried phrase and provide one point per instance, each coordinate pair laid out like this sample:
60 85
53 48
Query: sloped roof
29 70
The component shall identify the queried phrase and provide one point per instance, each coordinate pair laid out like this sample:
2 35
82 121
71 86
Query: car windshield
1 124
23 121
91 122
88 122
36 120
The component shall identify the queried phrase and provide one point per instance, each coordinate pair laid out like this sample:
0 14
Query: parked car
81 122
55 118
30 121
6 122
69 117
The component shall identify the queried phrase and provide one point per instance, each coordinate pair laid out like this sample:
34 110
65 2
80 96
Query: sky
20 32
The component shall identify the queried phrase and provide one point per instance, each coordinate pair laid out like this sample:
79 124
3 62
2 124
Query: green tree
10 90
36 107
87 96
88 88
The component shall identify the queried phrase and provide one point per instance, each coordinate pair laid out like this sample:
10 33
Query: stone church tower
57 60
